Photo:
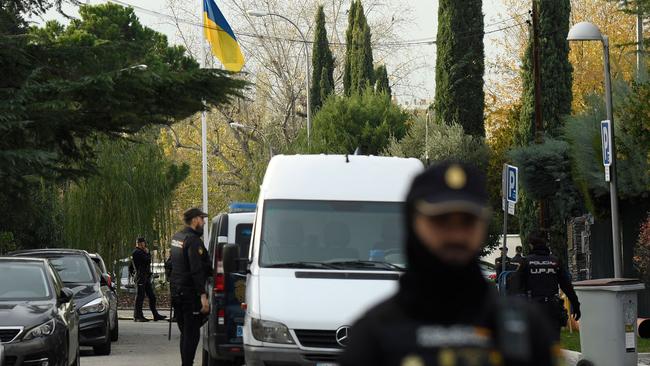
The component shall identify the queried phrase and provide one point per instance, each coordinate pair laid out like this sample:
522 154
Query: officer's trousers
187 308
143 288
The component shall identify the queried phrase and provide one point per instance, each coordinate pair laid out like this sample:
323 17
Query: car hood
304 299
26 314
84 292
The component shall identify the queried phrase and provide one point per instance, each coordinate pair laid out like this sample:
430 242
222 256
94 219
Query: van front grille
317 338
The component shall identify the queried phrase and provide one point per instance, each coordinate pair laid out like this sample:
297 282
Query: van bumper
270 356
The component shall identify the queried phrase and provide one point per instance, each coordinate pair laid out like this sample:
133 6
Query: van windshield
332 235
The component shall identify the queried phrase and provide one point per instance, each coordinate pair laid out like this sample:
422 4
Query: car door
68 314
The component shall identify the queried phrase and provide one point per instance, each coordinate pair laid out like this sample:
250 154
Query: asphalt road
141 344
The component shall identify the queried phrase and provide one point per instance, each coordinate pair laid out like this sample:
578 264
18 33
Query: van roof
339 177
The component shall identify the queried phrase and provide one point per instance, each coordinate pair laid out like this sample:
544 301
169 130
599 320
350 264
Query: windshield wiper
368 264
303 264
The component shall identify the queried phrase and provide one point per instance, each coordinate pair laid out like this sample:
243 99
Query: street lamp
586 31
241 126
261 13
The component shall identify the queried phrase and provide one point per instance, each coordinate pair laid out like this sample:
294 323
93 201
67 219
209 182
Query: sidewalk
127 314
573 357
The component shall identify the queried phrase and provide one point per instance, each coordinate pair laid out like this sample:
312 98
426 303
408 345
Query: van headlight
271 332
42 330
98 305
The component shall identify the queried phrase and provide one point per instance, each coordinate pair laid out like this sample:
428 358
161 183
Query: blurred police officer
190 269
445 313
141 260
497 261
543 273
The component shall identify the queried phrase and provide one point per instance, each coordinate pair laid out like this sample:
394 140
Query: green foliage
382 84
446 142
322 78
633 167
130 196
364 120
359 73
63 87
460 65
555 70
642 251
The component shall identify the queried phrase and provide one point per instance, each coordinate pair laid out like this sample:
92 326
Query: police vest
542 275
181 277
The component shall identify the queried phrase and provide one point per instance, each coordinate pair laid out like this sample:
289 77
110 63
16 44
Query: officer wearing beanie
445 313
542 275
190 270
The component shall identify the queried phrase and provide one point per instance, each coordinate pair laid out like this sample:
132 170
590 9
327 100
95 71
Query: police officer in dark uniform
542 274
445 313
190 269
141 260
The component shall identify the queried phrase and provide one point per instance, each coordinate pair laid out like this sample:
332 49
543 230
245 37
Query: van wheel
207 360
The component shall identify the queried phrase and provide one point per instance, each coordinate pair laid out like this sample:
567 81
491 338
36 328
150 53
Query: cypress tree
460 65
555 69
382 85
349 50
322 64
359 71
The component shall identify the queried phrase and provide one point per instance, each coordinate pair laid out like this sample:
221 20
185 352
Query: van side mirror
66 295
230 257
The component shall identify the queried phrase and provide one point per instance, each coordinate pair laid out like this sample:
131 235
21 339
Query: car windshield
23 281
332 235
73 268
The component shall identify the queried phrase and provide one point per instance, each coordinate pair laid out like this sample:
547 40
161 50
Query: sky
423 25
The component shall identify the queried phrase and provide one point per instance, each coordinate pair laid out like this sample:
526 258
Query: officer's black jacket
543 273
437 303
190 262
141 262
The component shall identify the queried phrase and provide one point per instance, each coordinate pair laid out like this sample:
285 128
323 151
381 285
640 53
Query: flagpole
204 136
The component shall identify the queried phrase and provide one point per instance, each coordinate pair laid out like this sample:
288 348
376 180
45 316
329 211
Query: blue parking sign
512 183
606 137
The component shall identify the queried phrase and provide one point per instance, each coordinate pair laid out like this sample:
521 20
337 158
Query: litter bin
608 323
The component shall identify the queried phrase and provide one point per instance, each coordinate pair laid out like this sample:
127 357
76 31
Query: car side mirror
66 295
105 280
230 255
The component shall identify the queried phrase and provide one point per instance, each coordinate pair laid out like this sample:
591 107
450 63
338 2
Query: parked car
488 270
222 333
327 245
111 295
90 288
39 324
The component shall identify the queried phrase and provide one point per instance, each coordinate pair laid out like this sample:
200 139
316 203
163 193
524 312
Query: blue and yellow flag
221 37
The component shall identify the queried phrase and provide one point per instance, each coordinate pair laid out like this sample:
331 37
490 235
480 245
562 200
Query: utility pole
539 123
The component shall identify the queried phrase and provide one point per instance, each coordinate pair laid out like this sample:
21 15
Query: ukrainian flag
221 37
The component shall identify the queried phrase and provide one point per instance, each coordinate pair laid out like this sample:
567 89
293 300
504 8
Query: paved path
141 344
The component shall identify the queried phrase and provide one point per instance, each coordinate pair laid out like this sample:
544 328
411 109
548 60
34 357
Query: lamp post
241 126
586 31
259 14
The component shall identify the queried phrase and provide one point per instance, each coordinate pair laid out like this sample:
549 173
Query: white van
326 246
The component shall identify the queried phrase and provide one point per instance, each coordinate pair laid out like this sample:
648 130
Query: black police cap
140 239
192 213
450 187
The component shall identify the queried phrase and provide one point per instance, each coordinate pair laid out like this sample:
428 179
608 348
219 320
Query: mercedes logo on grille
342 335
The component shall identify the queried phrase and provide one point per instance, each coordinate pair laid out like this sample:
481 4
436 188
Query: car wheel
115 332
104 349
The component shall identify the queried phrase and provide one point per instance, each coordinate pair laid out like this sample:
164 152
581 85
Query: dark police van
222 333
